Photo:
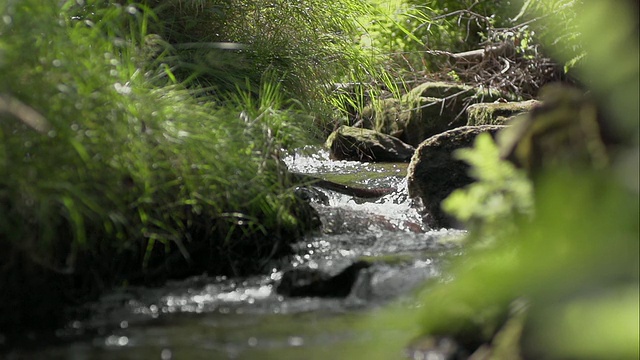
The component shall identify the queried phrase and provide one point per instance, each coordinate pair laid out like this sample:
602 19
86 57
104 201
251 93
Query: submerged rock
357 144
434 173
307 282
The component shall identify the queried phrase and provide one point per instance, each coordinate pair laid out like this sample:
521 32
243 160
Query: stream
208 317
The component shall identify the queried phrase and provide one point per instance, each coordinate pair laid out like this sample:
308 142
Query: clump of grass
111 176
308 46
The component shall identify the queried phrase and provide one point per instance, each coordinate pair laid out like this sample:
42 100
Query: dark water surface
223 318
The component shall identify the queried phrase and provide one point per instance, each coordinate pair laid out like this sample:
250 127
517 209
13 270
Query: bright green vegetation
140 142
304 47
225 44
501 195
413 31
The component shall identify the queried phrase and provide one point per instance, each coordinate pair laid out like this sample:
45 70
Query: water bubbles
295 341
345 253
56 63
116 341
252 342
124 324
202 299
277 276
166 354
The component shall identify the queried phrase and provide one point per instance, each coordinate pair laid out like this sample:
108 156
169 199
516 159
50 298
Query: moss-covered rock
439 89
497 113
426 110
357 144
435 107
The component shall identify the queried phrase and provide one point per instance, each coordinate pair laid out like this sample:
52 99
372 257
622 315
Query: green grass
112 174
141 140
307 45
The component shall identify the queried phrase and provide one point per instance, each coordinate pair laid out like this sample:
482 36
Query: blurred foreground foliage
500 197
562 283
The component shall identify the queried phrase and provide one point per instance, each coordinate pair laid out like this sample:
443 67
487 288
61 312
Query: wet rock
434 173
440 89
497 113
312 195
307 282
435 107
356 144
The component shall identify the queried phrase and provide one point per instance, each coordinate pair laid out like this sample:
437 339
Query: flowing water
226 318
